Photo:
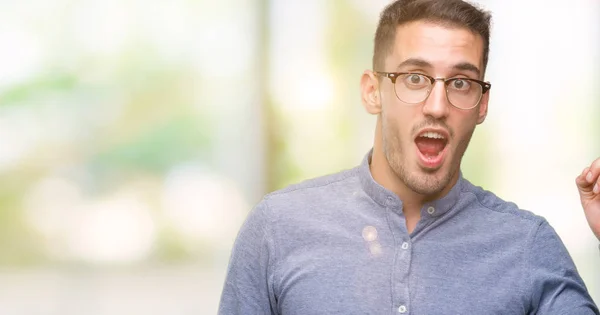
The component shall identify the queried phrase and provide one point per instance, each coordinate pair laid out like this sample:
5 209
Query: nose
436 105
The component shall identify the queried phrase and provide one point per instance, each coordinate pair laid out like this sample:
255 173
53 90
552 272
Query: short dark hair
451 13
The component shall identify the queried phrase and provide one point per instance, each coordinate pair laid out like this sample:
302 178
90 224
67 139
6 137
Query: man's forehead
437 44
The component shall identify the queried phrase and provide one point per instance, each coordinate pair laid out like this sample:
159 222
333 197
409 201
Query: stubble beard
426 183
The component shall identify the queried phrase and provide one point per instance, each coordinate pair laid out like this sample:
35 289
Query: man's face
422 162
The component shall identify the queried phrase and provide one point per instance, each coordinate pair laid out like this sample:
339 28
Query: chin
428 181
429 184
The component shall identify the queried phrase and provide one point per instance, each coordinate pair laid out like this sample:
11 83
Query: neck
384 175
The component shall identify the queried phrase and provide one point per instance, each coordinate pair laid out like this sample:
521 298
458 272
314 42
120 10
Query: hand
588 184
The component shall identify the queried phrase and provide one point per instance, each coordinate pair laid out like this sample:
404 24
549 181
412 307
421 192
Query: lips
431 147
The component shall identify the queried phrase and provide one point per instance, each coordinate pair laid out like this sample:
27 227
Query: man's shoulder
493 205
309 203
323 186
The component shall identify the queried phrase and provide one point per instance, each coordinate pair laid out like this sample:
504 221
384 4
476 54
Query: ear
369 89
483 107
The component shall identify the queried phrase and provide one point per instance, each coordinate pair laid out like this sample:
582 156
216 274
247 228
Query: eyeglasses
414 88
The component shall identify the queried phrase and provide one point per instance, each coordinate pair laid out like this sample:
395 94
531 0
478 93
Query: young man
404 232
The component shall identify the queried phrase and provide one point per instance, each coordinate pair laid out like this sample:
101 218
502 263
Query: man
404 232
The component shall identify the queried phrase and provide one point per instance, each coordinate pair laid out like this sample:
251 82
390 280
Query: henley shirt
338 244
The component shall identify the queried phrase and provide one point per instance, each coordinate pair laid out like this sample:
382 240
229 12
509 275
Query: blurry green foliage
21 92
170 247
177 140
159 125
19 244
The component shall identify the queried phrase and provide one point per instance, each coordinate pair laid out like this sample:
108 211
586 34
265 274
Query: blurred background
135 136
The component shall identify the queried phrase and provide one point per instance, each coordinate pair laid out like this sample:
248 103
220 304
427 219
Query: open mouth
431 147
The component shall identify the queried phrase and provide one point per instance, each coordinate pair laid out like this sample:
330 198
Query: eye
415 80
460 84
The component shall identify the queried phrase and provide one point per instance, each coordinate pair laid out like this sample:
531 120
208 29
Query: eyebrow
463 66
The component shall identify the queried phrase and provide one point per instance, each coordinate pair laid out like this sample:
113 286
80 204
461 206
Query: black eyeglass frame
485 86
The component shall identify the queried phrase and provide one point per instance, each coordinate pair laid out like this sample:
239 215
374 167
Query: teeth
433 135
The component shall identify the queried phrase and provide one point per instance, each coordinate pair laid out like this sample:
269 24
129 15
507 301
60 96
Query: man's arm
248 285
588 183
556 285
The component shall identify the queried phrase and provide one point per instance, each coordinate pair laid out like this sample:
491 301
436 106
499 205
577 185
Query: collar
386 197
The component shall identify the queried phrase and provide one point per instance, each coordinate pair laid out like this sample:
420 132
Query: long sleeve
248 285
557 287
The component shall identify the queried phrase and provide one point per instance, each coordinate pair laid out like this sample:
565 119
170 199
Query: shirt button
402 309
404 245
431 210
